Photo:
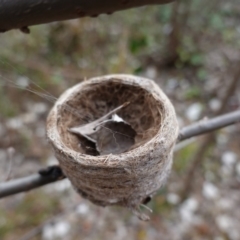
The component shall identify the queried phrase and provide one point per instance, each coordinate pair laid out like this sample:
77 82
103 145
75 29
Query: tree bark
19 14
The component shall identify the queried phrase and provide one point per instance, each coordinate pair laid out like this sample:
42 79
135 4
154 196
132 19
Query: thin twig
205 126
54 173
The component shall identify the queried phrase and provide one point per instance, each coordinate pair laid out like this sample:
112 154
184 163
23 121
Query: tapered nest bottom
114 136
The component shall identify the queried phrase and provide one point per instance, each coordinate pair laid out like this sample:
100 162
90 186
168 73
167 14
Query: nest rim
110 160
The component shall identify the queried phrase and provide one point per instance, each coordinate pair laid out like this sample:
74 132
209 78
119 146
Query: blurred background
192 50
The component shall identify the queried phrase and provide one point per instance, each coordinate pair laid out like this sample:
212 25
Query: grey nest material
146 134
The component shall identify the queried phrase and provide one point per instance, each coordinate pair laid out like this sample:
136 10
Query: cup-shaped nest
113 137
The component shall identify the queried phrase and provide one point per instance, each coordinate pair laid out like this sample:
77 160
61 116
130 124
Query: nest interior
93 101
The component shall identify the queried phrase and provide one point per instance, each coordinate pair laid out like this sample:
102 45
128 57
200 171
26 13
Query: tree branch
54 173
43 177
21 14
209 125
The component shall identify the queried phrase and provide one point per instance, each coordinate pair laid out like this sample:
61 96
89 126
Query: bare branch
210 125
16 14
43 177
54 173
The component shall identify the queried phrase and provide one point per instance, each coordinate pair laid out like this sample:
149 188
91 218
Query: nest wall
129 178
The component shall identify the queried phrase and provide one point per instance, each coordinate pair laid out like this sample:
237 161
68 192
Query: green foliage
159 205
189 58
201 74
7 107
229 35
196 59
57 78
137 43
138 70
189 53
216 21
193 93
164 14
183 157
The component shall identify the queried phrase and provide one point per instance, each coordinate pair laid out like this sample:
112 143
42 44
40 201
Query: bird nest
114 137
